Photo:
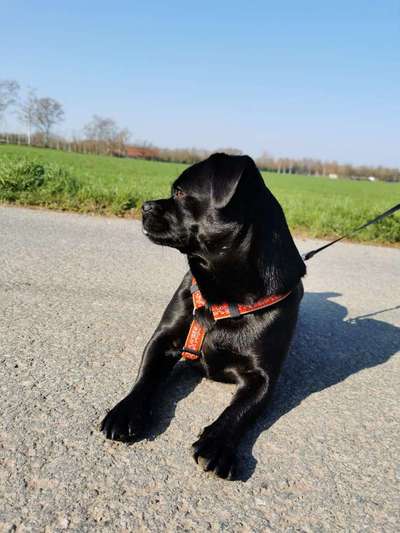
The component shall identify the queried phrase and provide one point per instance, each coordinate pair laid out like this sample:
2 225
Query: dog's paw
214 454
126 422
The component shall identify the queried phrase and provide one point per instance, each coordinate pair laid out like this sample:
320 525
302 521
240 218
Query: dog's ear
227 171
278 255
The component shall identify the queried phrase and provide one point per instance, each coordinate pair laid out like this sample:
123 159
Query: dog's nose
148 206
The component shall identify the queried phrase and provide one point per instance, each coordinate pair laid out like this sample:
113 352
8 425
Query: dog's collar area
195 338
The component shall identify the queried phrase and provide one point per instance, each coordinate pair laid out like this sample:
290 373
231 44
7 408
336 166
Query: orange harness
195 338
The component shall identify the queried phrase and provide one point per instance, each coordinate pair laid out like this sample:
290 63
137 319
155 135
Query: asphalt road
79 297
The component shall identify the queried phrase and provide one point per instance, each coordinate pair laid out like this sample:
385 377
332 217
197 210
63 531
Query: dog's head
231 227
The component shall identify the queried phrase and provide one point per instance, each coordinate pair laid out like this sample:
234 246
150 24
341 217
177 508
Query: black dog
240 251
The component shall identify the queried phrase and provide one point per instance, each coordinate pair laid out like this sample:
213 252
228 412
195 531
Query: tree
230 151
122 138
100 129
266 161
106 134
46 113
8 95
26 113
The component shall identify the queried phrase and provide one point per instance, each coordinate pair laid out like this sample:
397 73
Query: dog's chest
225 344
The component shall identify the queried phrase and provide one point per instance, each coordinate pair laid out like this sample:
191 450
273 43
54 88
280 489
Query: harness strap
197 333
194 341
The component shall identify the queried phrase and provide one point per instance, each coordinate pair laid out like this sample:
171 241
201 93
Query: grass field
314 206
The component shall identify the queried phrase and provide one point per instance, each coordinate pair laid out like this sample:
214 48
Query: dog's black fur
239 248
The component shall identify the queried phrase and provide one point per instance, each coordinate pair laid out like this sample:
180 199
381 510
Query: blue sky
310 78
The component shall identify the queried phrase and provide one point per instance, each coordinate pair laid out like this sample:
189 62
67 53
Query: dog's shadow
182 381
326 350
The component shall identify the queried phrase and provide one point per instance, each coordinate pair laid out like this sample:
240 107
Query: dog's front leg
216 448
128 420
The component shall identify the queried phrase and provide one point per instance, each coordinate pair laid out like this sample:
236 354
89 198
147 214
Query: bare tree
230 150
26 113
100 129
265 161
8 95
47 112
106 134
122 138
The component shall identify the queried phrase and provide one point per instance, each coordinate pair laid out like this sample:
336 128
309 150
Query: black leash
311 253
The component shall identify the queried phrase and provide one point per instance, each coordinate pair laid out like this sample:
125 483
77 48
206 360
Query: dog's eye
178 193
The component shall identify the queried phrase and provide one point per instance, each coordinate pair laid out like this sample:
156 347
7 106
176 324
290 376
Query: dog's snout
148 206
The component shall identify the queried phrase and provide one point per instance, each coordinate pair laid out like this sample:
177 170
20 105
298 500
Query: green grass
315 206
